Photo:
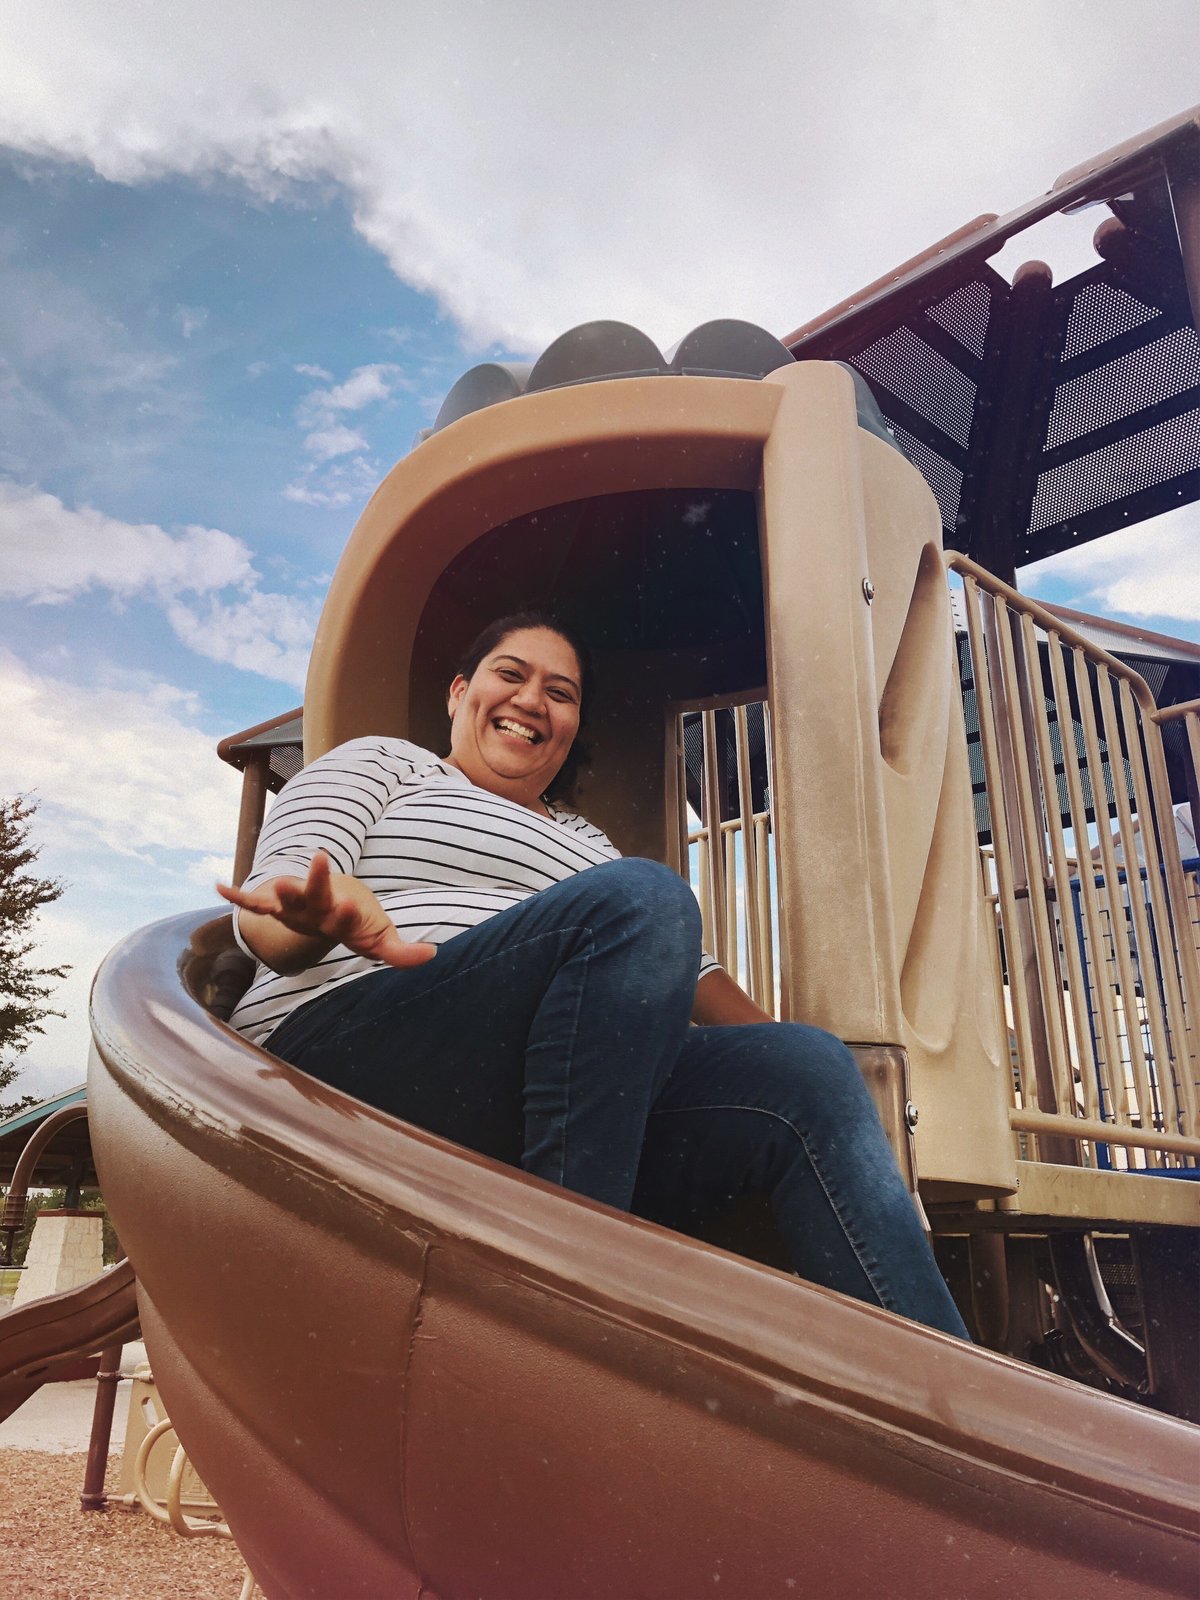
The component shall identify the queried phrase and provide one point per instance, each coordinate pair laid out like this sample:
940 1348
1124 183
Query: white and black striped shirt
440 854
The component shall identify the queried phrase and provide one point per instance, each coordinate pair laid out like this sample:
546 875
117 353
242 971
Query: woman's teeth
516 730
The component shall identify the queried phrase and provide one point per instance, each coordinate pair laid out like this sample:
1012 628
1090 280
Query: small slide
40 1339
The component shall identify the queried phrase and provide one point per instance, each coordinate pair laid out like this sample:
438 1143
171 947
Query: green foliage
25 987
54 1200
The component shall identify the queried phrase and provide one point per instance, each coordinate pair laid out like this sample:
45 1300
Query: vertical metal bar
741 727
675 795
783 1007
989 748
1189 961
1177 896
93 1497
685 849
1150 965
1191 723
712 842
1112 881
763 905
1141 1058
704 893
1077 984
1169 949
733 955
1054 1080
1105 997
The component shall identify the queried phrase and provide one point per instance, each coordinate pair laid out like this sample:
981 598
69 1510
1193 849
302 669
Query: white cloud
209 870
307 371
270 634
535 166
1149 570
56 1059
344 483
326 443
328 439
51 553
364 386
137 815
122 767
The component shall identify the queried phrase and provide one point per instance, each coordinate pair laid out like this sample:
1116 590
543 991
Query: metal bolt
911 1115
868 590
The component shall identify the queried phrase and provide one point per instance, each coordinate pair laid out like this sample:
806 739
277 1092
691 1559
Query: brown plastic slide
405 1370
42 1338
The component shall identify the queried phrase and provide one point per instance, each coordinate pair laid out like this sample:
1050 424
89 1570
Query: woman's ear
457 689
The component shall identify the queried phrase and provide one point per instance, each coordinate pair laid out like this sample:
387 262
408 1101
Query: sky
244 252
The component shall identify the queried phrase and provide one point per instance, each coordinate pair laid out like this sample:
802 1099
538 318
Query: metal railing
1097 925
726 846
1099 955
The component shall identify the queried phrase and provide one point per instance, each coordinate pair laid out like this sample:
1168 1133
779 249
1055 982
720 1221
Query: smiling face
515 719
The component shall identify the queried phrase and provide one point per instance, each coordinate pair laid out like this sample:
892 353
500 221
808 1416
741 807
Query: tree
24 987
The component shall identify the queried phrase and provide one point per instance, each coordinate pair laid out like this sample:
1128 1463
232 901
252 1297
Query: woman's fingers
317 887
313 907
397 952
265 900
294 901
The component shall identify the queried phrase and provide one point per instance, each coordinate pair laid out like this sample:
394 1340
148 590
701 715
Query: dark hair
495 634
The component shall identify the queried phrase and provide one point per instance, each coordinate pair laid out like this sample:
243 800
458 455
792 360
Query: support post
93 1497
250 817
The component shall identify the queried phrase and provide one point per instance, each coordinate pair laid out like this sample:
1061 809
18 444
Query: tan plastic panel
882 915
1113 1198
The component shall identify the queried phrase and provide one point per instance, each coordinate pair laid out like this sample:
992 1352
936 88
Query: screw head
911 1115
868 590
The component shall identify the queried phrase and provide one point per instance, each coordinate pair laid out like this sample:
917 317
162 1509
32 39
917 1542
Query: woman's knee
814 1066
644 906
636 885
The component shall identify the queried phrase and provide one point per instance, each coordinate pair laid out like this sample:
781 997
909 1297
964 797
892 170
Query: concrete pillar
67 1249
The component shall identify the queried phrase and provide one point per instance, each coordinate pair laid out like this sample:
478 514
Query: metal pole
93 1497
250 817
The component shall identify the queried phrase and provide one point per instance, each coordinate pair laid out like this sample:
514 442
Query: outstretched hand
322 910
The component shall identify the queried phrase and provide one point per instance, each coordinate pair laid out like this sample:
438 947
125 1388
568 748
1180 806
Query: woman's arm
719 1000
292 923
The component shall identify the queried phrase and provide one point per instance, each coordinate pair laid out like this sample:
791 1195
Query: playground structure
506 1390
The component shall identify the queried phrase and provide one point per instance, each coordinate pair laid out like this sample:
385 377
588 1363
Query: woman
440 939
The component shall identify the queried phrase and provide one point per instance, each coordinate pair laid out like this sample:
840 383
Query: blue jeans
556 1036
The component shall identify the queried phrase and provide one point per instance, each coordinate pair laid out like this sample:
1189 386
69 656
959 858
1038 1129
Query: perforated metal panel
286 761
965 314
908 367
1130 383
1152 458
942 477
1101 312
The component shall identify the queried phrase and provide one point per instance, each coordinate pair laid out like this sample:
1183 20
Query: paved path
58 1418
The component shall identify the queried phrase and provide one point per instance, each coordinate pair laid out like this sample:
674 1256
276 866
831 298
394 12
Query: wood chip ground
51 1550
